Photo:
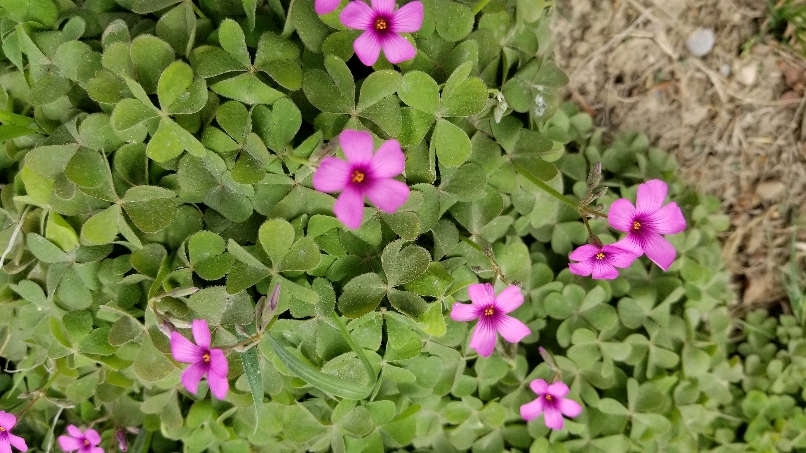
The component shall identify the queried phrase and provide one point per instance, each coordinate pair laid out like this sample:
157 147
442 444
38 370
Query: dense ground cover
185 211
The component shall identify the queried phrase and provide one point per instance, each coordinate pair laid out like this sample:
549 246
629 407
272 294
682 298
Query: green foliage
158 159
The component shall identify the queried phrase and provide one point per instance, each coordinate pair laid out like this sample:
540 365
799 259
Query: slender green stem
358 351
247 343
298 160
198 11
551 191
480 6
499 273
40 394
14 234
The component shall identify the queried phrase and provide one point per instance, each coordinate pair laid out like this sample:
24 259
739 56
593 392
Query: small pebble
746 75
701 42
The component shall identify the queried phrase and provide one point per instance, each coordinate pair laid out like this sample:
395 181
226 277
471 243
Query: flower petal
631 243
481 294
7 420
483 339
384 7
218 362
509 299
396 48
4 446
557 389
464 312
581 268
603 270
367 47
621 215
357 145
650 196
668 219
512 329
569 407
97 450
349 207
219 385
332 175
326 6
539 386
584 252
388 160
192 375
17 442
68 443
618 257
183 350
659 250
407 19
531 411
357 15
387 194
553 418
75 432
201 333
92 436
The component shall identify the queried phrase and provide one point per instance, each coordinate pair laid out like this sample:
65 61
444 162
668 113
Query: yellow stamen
86 443
636 225
206 358
381 24
2 429
600 256
489 311
549 398
357 176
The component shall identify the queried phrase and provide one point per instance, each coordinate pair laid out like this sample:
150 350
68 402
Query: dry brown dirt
734 117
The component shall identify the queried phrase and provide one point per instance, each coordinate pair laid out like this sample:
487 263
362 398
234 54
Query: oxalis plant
325 213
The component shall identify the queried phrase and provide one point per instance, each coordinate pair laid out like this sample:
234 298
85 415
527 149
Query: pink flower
645 223
86 442
326 6
551 402
203 360
123 442
491 312
7 422
382 25
600 261
363 174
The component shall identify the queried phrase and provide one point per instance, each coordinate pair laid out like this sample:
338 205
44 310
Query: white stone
701 42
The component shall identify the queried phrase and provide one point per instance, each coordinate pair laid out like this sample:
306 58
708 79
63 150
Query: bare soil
733 118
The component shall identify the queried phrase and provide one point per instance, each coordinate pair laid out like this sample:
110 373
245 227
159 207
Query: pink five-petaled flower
600 261
646 221
325 6
363 174
202 360
551 402
491 312
86 442
7 422
382 25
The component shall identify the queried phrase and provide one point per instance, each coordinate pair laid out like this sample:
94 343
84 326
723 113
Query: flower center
86 443
489 311
358 175
549 398
636 225
206 358
381 24
600 256
2 429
